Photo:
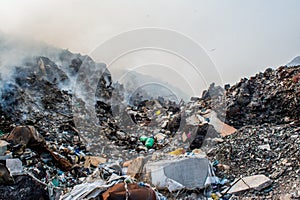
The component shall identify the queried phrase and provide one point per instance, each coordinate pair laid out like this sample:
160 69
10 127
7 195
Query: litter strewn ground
237 142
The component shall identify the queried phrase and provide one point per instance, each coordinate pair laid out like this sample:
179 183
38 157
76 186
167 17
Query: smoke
21 56
32 72
227 29
15 51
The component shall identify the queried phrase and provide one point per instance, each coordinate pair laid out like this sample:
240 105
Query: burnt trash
268 97
24 187
212 92
50 70
200 134
69 143
261 149
75 65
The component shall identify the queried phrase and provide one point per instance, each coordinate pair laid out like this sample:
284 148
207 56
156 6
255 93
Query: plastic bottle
143 138
149 142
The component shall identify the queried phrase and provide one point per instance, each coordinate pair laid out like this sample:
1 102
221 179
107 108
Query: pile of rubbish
271 96
45 149
67 132
265 109
271 150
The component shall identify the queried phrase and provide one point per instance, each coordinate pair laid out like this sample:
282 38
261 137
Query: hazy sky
241 37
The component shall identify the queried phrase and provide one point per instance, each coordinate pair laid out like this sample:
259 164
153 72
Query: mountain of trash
271 96
68 133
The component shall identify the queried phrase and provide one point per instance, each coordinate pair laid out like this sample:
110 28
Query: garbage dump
237 142
271 96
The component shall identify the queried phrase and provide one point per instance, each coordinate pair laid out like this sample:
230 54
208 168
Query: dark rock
200 134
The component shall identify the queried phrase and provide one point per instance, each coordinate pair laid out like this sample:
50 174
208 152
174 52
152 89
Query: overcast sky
241 37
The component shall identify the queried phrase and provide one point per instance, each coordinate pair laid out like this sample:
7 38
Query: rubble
266 149
268 97
24 187
136 167
60 142
221 127
257 182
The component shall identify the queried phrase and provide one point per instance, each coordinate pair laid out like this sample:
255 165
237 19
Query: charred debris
67 133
